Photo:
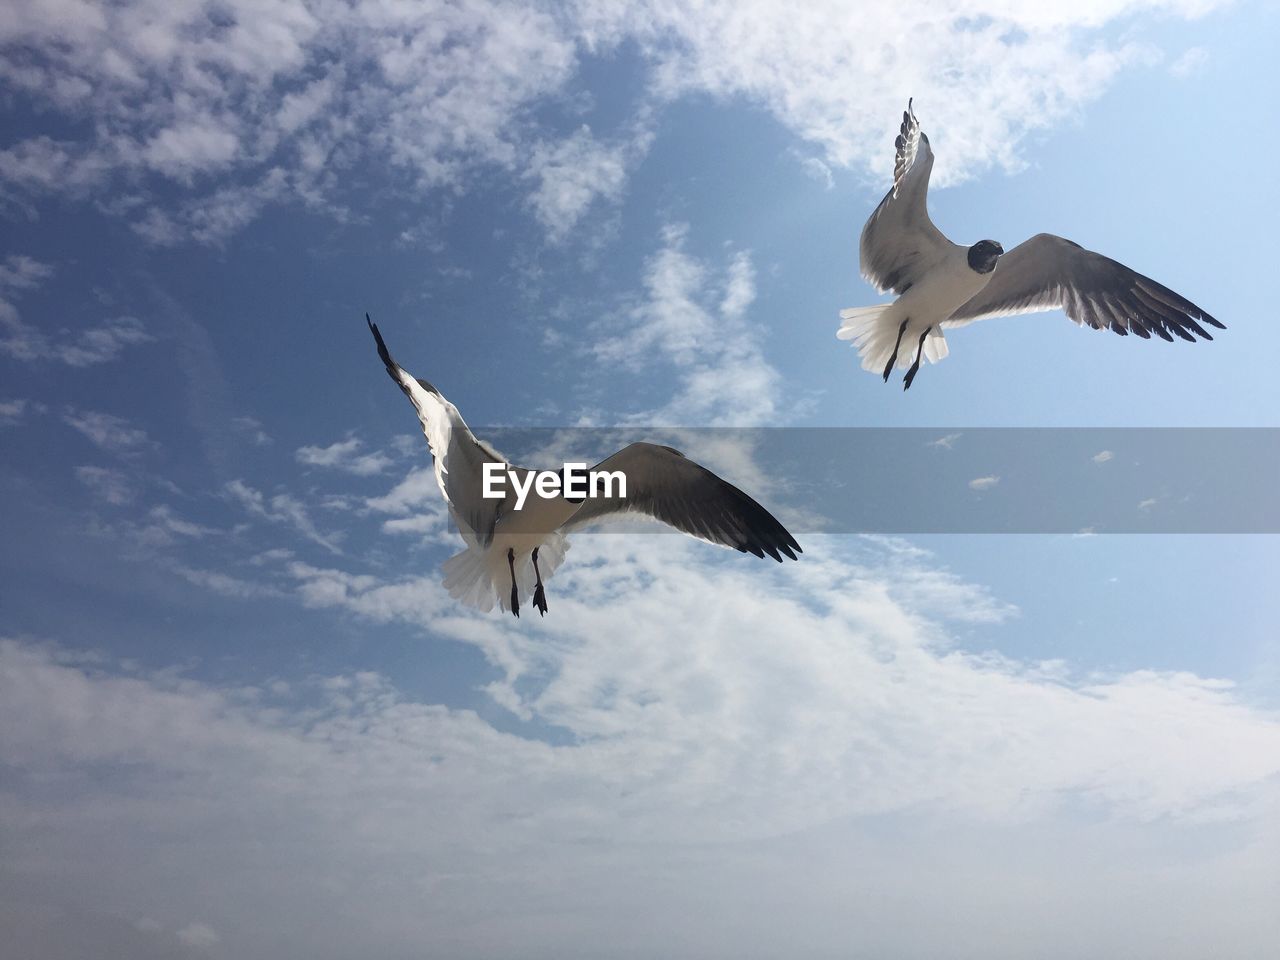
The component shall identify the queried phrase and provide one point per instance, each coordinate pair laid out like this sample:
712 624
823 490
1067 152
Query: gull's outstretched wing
459 456
663 483
899 242
1048 272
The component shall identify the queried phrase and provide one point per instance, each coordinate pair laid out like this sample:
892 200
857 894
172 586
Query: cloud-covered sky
241 717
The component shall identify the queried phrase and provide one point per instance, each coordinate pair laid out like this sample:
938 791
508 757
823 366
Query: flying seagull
506 543
942 285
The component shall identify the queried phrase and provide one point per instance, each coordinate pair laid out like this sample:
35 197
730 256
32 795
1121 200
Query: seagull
504 541
942 285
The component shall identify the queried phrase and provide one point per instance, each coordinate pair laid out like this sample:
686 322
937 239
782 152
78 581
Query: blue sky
239 716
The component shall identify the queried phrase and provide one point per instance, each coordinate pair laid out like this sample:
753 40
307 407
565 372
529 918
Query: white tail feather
466 577
874 331
480 578
935 346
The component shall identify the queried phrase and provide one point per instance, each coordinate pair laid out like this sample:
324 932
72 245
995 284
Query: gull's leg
539 594
888 367
515 595
911 374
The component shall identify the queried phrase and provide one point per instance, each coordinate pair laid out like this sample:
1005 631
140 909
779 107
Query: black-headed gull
942 285
512 536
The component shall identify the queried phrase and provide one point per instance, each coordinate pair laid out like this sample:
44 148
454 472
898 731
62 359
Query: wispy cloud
272 105
669 765
1193 61
100 344
1102 456
225 584
817 170
344 455
107 431
13 412
695 318
22 341
199 936
574 173
252 428
109 485
418 488
19 272
165 519
983 483
280 508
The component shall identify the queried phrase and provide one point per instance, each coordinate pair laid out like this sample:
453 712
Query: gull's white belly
941 292
525 529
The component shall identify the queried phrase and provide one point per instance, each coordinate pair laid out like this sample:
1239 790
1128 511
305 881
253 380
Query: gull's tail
466 577
480 577
875 332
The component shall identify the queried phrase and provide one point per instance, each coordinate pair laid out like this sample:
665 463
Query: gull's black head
983 256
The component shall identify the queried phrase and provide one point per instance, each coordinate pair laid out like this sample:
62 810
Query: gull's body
943 285
511 549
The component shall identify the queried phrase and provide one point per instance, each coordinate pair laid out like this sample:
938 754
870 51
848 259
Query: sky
240 717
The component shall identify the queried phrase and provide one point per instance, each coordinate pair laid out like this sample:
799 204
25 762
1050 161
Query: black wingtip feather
384 353
377 336
761 532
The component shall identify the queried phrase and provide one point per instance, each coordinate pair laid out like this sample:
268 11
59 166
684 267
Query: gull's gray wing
459 456
665 484
1048 272
899 242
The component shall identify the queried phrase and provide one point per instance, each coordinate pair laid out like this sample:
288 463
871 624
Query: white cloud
983 483
418 489
100 344
432 523
13 412
272 556
817 170
344 455
22 341
274 103
281 508
419 508
1193 61
111 486
198 935
106 430
19 272
697 321
252 428
192 145
820 717
164 517
1102 456
1148 503
739 287
572 174
225 584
